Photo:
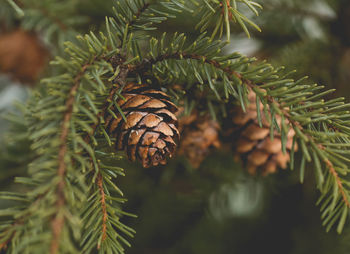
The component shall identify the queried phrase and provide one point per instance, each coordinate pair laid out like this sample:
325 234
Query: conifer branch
73 172
55 21
148 63
138 14
104 209
4 244
311 126
58 221
220 14
118 82
338 181
228 6
141 15
296 124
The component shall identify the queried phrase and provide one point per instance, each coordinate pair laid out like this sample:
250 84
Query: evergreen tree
152 105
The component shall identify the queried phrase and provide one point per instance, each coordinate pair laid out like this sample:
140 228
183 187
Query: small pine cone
253 144
150 132
22 55
199 134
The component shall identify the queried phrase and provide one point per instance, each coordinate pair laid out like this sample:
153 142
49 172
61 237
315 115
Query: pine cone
199 134
253 144
150 132
22 55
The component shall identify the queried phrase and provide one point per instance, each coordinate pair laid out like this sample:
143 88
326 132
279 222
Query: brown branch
139 13
19 221
104 209
228 7
3 245
328 162
147 64
338 181
300 127
58 222
118 82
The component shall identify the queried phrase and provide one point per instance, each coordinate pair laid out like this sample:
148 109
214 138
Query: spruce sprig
142 15
56 22
68 171
74 204
221 13
321 126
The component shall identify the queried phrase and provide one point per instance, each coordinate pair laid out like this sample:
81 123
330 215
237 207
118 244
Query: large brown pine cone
22 55
253 144
199 135
150 132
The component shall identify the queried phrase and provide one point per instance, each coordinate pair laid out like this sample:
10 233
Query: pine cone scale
258 157
135 136
164 129
135 101
134 118
153 104
254 132
149 138
169 140
271 146
245 145
160 144
170 117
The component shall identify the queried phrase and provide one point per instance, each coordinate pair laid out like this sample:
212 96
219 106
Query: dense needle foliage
72 202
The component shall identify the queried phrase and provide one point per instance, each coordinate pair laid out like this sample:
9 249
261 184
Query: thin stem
228 8
58 221
338 181
138 14
3 245
104 209
118 82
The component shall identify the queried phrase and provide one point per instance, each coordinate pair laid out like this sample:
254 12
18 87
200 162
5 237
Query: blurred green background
217 208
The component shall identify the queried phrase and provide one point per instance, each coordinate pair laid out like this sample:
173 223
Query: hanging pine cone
150 132
199 135
253 144
22 55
